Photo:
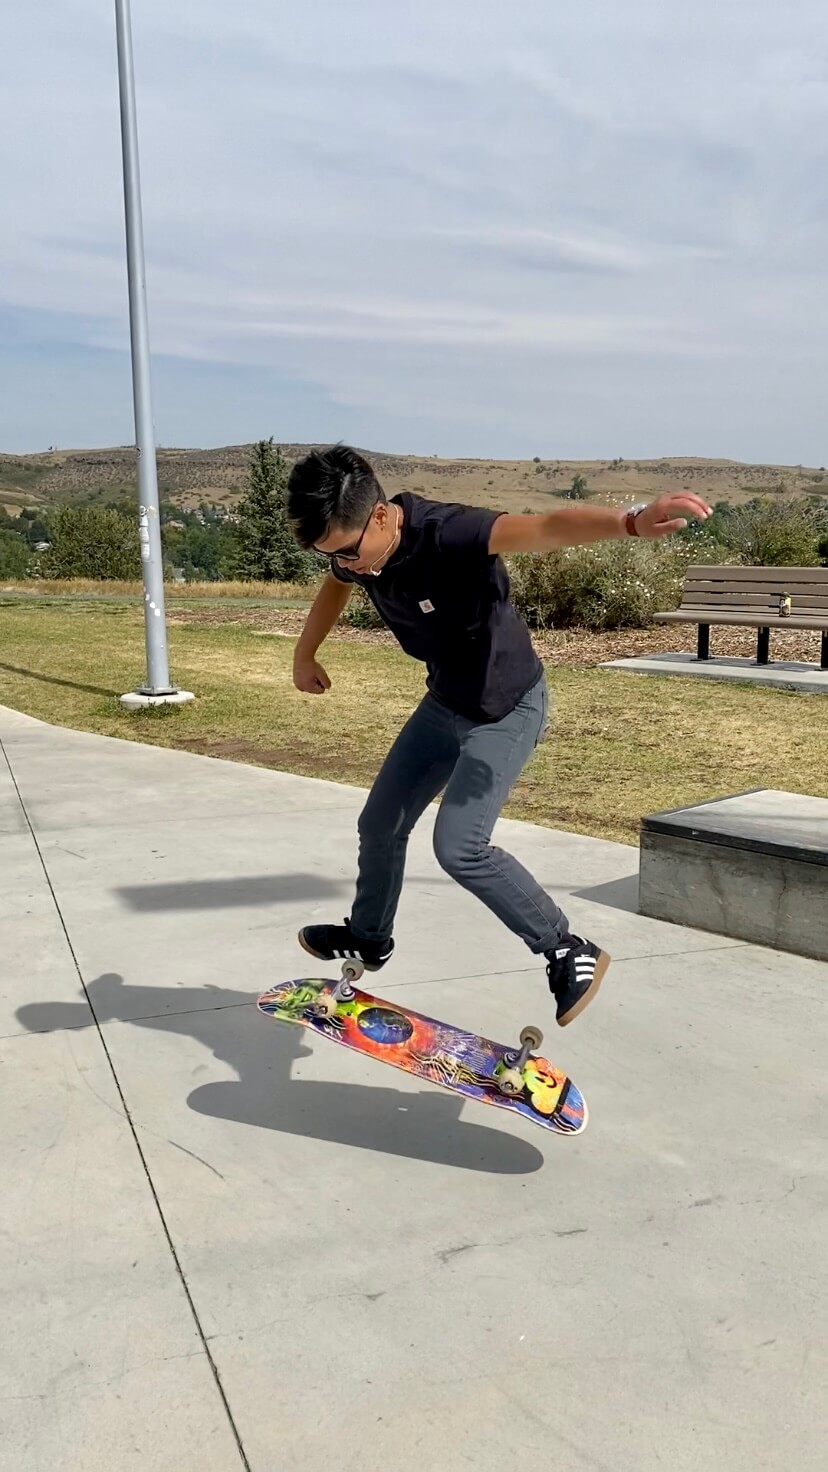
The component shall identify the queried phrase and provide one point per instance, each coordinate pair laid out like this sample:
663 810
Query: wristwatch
629 520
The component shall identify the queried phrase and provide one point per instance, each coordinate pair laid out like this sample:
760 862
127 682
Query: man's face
360 550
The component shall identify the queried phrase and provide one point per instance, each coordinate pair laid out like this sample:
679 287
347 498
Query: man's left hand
670 513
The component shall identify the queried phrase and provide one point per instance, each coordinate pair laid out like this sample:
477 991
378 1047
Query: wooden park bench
752 597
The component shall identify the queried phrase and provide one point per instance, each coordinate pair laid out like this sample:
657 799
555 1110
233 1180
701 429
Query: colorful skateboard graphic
511 1078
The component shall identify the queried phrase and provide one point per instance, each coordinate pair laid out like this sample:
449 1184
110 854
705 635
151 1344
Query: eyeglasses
350 554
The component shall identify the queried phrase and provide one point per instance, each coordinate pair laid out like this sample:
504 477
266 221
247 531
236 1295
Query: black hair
334 487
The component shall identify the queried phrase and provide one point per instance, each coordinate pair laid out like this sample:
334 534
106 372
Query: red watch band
632 529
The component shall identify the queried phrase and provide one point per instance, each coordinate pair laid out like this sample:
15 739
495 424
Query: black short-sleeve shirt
446 600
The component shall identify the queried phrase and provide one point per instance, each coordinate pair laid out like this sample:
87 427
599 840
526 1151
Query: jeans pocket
544 716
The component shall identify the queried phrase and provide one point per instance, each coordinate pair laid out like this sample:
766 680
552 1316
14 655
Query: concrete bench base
754 867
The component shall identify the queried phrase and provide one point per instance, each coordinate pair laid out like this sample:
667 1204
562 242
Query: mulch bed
576 648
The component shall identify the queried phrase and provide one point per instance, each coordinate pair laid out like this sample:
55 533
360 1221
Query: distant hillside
187 477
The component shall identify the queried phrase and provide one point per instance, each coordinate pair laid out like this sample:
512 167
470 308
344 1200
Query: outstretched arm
573 526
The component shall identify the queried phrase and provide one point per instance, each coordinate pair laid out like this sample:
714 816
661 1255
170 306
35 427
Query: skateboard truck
326 1005
510 1078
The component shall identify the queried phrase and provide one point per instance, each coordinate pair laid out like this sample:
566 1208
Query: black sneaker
336 943
575 970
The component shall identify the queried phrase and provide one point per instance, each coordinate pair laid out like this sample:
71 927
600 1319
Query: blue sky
475 228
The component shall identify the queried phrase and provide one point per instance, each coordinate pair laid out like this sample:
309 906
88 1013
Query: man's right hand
310 677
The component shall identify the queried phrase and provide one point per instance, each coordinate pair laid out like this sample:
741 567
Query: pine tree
268 551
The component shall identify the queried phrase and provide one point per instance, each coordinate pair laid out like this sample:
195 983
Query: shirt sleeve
466 530
340 573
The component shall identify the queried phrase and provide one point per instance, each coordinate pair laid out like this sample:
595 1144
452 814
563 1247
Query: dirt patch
577 648
308 762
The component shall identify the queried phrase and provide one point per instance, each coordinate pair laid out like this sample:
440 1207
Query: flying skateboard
512 1078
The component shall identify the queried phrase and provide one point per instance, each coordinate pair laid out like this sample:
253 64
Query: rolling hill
188 477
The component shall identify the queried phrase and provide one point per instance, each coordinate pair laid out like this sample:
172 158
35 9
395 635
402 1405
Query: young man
435 575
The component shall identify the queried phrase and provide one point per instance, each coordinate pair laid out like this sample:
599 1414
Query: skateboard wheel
531 1036
510 1082
326 1007
353 971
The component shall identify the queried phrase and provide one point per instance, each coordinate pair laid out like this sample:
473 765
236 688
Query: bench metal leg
823 657
763 647
703 649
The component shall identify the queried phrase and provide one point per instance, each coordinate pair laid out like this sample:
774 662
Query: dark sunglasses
350 554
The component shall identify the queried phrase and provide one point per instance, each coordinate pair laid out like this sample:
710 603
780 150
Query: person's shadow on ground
271 1094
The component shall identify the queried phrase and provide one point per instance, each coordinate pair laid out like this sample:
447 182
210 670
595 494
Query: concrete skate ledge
753 866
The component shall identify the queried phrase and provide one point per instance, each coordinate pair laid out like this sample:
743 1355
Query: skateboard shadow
268 1093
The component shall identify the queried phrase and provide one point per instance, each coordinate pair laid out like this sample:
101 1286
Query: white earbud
369 571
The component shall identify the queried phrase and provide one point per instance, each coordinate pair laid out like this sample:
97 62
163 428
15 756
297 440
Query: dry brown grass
78 587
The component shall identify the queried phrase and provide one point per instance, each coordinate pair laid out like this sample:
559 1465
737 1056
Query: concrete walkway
225 1246
807 679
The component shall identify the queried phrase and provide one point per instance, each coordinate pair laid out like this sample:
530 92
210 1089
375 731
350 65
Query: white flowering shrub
608 585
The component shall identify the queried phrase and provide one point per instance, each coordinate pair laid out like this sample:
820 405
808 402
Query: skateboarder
435 575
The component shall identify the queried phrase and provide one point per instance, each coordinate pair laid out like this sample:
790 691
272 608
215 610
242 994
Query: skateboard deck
432 1050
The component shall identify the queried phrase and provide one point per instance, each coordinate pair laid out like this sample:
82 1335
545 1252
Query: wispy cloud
468 227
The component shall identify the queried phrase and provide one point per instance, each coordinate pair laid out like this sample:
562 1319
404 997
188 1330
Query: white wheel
353 970
325 1007
510 1082
531 1035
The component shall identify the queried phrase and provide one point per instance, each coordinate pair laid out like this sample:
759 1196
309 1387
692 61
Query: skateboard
512 1078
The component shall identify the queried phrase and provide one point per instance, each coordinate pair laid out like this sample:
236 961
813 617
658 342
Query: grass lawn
619 745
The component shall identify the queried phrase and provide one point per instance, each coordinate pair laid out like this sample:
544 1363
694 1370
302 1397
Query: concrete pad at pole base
808 679
139 700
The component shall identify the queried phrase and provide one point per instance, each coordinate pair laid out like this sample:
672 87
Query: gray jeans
477 765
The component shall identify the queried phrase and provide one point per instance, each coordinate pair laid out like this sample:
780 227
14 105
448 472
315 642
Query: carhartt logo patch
427 606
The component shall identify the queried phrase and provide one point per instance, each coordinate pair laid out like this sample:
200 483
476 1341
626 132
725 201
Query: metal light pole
158 689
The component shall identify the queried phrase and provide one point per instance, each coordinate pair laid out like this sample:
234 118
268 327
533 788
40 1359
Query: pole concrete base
141 699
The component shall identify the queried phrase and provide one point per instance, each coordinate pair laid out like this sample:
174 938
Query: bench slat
755 605
746 620
716 596
766 575
752 590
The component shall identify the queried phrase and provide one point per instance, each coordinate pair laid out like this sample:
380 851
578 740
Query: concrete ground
227 1245
808 679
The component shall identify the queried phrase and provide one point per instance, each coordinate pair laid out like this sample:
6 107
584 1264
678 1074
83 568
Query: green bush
90 542
608 585
775 533
360 612
578 491
14 555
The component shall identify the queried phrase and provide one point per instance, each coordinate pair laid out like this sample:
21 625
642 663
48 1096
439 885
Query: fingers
686 501
666 528
323 679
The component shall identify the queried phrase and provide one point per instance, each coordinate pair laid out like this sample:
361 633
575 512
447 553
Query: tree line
254 542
